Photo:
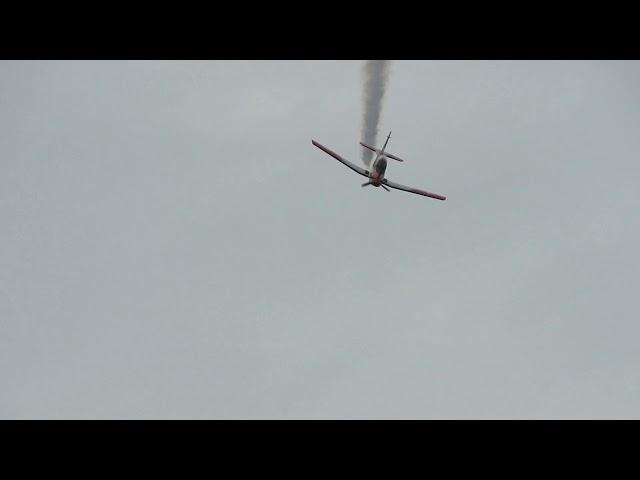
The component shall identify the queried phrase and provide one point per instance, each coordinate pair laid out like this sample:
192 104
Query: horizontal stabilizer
369 147
386 154
389 155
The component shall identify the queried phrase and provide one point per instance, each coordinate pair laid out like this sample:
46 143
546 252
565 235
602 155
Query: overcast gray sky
173 246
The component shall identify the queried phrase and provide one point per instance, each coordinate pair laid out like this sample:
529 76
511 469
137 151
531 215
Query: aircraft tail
369 147
386 154
389 155
387 141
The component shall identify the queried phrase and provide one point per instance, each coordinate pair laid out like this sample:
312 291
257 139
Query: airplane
376 175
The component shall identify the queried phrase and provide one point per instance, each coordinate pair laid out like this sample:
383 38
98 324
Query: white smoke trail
376 75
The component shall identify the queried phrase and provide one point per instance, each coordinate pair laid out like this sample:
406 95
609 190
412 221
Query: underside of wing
353 167
412 190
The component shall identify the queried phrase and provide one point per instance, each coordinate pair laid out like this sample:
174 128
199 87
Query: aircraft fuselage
377 170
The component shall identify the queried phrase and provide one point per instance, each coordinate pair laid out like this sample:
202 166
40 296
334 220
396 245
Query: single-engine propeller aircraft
376 174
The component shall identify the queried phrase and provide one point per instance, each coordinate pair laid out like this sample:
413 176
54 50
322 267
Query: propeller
369 183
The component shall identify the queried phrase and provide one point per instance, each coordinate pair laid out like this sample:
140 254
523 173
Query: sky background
173 246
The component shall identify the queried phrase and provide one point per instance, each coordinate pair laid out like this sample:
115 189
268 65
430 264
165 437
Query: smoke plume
375 75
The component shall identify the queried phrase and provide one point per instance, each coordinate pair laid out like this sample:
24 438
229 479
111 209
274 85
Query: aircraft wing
353 167
412 190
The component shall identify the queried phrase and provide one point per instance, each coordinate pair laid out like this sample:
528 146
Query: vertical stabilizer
387 141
